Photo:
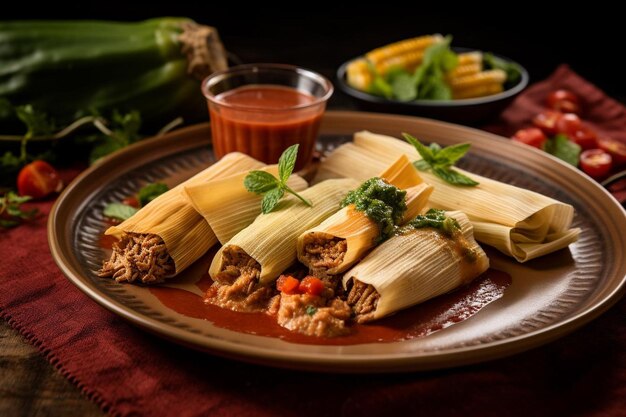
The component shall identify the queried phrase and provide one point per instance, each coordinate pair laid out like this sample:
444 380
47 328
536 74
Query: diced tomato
530 136
596 163
568 124
287 284
38 180
131 201
585 137
564 101
614 147
311 285
546 121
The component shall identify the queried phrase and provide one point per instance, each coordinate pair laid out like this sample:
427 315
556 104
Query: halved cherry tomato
546 121
614 147
287 284
131 201
311 285
595 162
38 180
585 137
568 124
530 136
564 101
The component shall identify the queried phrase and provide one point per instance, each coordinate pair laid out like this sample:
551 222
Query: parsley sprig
272 188
440 160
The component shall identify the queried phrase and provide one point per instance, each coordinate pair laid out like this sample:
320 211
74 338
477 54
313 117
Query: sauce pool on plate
263 120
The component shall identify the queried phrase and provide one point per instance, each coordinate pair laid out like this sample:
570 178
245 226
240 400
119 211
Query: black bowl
470 111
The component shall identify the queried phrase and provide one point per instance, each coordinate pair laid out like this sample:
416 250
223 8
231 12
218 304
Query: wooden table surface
29 385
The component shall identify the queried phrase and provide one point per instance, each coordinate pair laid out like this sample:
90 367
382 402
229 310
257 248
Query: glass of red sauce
261 109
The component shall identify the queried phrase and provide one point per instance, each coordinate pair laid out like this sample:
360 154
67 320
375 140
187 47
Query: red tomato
596 163
531 136
584 137
614 147
568 123
546 121
38 179
287 284
131 201
564 101
311 285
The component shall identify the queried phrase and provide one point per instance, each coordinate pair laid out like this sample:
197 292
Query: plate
548 297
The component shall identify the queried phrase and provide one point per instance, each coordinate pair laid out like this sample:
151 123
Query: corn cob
495 76
359 74
409 61
477 91
475 57
378 55
464 70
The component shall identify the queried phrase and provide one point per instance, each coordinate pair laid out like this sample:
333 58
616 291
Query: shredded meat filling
139 257
237 286
324 253
363 298
313 316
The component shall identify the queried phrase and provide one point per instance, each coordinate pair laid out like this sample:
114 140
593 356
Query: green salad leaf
513 71
563 148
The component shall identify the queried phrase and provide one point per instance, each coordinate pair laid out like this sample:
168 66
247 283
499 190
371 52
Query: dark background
321 36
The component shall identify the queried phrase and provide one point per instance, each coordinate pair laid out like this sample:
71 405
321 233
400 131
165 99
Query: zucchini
68 69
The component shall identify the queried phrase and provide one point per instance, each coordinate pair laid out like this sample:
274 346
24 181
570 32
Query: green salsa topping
380 201
436 219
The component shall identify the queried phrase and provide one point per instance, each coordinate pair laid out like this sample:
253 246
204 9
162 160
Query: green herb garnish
310 310
119 211
563 148
272 188
146 194
441 160
513 71
150 192
380 201
436 219
11 212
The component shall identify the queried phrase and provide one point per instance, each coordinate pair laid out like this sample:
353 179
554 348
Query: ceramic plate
547 298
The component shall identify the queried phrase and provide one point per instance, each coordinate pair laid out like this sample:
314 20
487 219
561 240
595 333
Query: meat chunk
324 253
363 299
313 316
139 257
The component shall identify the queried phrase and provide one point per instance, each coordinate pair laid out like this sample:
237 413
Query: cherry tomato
564 101
615 148
287 284
585 137
530 136
596 163
311 285
568 123
38 180
131 201
546 121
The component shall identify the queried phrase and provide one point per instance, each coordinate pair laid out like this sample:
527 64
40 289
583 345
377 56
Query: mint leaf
270 199
286 162
451 176
260 182
403 87
150 192
119 211
440 160
563 148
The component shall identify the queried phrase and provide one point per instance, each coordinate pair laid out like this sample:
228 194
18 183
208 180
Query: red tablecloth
129 372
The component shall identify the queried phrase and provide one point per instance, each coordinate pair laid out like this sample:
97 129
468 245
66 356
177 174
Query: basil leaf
425 152
119 211
404 88
451 176
563 148
286 162
150 192
270 199
421 165
260 182
451 154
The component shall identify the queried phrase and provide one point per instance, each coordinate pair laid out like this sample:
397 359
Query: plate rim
369 362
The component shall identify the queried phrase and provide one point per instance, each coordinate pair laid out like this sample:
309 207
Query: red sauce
419 321
260 120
